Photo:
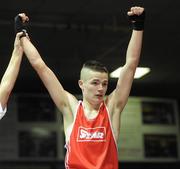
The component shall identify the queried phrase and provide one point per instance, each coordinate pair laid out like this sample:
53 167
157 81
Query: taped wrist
19 26
137 21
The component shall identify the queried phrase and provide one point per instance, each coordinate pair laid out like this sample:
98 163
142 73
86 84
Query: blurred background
67 33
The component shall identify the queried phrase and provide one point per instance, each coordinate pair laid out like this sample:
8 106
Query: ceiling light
140 72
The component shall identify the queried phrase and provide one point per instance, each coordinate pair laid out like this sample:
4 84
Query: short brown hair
95 65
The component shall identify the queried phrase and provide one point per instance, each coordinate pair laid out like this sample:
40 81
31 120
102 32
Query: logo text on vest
91 134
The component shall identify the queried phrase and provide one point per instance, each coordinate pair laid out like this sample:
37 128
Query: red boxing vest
91 144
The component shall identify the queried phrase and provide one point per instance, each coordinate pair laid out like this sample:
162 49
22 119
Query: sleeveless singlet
2 112
91 143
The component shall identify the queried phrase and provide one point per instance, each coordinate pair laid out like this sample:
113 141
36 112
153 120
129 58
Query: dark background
69 32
